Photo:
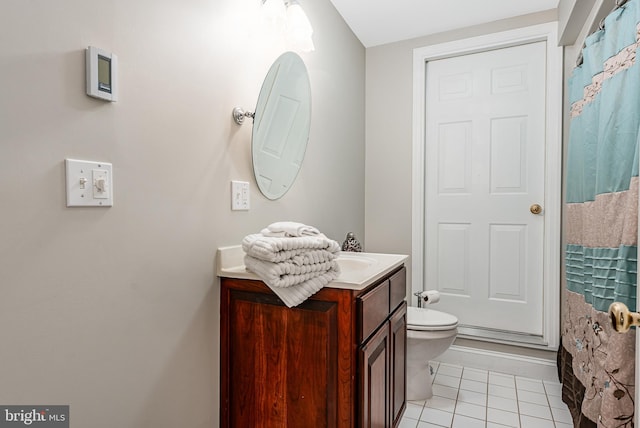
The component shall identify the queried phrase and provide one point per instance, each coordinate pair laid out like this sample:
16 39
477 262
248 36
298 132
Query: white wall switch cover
239 195
89 184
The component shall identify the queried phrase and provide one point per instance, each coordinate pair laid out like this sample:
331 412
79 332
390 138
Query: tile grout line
546 395
515 381
486 403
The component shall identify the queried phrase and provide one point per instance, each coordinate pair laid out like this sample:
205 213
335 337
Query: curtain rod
618 5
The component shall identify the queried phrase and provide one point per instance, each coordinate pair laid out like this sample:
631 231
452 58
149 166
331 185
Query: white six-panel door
485 168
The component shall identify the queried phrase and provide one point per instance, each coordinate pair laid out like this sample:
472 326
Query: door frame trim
553 155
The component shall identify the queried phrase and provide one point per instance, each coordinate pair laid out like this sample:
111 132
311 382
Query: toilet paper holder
418 294
426 297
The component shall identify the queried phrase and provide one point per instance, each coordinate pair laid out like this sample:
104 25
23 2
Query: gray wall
115 311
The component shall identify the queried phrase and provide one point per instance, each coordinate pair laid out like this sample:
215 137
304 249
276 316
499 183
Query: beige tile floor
469 398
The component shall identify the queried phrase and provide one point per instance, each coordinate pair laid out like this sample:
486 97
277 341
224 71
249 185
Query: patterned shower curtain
596 364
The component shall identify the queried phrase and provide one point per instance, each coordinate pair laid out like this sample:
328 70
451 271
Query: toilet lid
424 319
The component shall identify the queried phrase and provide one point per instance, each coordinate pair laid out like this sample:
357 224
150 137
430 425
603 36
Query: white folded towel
296 294
289 229
294 267
276 250
292 282
286 274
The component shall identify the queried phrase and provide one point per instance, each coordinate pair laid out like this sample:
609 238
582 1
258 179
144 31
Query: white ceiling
377 22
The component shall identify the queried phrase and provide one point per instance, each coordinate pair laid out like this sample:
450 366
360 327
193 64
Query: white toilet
429 334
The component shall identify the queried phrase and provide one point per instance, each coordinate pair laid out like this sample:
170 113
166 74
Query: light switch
89 184
100 184
239 195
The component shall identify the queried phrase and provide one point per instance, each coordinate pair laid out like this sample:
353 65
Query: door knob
621 318
535 209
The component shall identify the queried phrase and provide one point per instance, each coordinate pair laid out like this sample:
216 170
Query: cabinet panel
375 380
397 288
282 362
373 310
398 326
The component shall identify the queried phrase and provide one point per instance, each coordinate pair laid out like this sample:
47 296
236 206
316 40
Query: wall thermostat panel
102 74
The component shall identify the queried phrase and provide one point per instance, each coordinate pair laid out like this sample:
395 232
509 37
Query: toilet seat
423 319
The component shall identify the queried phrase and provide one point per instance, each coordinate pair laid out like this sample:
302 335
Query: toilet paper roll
431 296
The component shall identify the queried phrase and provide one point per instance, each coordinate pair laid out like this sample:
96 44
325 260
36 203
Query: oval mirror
281 125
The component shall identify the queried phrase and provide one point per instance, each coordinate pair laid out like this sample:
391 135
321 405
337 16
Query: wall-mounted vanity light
275 13
299 32
299 29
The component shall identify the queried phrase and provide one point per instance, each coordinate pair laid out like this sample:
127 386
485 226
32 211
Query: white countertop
358 270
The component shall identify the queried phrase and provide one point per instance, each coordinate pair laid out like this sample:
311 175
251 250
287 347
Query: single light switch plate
239 195
89 184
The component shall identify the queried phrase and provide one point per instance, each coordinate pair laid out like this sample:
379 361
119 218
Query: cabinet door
280 364
375 380
398 328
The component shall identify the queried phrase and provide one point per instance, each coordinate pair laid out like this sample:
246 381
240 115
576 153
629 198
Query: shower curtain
596 364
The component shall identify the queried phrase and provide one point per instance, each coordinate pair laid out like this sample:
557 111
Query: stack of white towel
293 259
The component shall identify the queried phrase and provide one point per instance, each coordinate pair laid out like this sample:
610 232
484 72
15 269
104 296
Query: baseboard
502 362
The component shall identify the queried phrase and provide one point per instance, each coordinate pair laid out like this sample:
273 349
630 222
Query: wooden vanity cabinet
336 360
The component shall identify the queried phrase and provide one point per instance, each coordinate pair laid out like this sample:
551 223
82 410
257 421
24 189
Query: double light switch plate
89 184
